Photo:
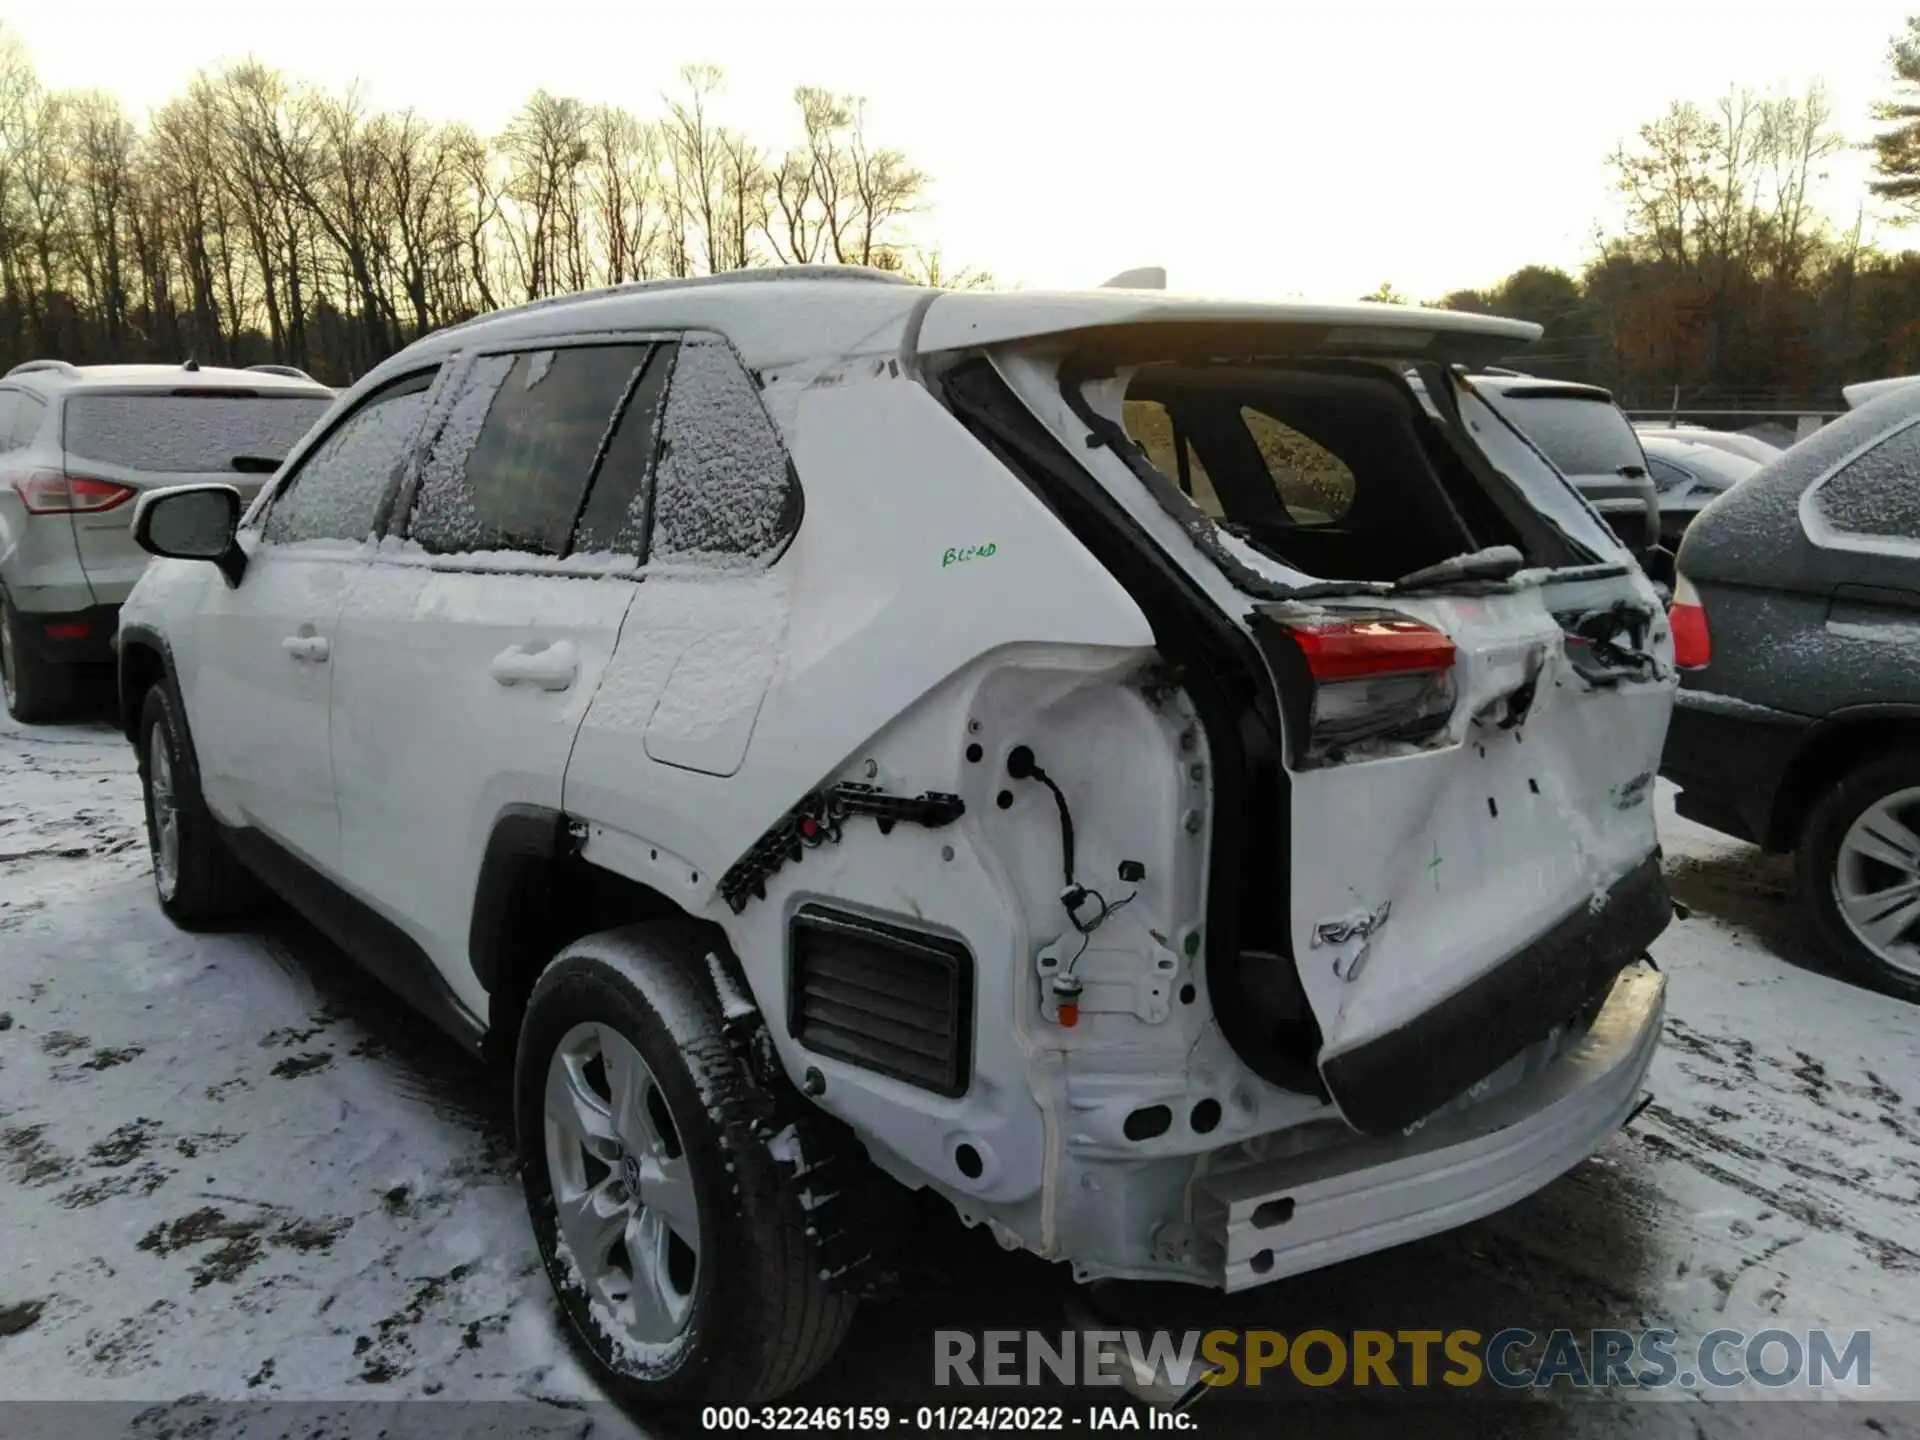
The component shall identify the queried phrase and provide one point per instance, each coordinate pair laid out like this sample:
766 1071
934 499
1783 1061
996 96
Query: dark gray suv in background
1796 622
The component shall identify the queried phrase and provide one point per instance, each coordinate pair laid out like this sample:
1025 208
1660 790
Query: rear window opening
187 433
1336 471
1581 434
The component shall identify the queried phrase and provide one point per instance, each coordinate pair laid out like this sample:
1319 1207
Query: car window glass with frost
26 422
723 490
187 432
1580 436
509 468
9 408
1666 475
1877 493
340 487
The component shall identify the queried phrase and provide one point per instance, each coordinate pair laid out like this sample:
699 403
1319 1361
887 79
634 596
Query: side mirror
192 522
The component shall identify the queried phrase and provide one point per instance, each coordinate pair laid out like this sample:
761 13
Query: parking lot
232 1169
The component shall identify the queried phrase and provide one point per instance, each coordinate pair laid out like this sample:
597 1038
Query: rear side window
1313 483
187 432
26 422
1666 475
1150 425
1580 436
723 490
1877 493
342 485
510 467
9 409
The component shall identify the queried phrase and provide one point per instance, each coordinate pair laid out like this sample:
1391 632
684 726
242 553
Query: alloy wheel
623 1190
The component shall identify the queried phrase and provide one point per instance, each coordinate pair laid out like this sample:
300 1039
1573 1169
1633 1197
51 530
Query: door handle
307 647
543 667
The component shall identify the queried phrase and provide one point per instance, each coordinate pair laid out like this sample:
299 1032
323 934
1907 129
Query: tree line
1728 285
257 219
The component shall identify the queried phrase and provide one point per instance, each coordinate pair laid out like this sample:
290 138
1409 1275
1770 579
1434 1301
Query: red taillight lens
1347 649
49 492
1692 641
1375 677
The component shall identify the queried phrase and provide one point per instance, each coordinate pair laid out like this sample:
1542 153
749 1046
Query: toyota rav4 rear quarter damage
1188 747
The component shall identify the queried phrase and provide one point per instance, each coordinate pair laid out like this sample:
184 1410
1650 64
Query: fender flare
524 838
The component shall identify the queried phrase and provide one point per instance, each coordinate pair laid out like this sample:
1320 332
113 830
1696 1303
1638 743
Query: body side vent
883 997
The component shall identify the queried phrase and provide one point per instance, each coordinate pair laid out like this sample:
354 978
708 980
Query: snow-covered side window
341 486
26 423
615 515
723 488
1877 493
509 468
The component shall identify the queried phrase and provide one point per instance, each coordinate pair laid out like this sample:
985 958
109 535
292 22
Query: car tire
199 881
1839 857
36 689
739 1315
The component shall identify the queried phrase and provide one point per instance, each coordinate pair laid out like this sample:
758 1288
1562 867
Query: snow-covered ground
232 1169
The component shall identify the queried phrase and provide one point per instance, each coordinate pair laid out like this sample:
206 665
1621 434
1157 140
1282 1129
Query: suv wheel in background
1859 868
199 881
679 1254
36 690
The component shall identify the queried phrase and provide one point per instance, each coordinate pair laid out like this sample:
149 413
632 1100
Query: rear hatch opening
1462 677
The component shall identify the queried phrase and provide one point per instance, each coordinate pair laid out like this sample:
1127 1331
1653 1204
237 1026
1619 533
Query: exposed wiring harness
1075 898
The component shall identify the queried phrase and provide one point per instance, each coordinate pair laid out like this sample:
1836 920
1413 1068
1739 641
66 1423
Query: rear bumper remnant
1300 1213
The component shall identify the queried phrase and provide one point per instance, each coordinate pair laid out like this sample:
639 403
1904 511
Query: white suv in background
1124 762
76 444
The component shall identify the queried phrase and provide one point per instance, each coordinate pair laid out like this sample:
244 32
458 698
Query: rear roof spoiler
1124 326
1860 394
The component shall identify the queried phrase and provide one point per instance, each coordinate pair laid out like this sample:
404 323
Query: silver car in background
77 444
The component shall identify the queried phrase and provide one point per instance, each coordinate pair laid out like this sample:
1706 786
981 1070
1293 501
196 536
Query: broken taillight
1687 617
51 492
1376 676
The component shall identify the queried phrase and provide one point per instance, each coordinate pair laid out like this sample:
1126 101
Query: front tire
678 1254
199 882
1859 869
36 689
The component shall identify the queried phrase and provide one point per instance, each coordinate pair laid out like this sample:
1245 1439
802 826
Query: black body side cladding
386 951
525 839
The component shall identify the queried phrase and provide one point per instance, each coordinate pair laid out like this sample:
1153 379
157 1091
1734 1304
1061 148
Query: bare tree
697 187
545 147
104 142
628 198
882 188
258 217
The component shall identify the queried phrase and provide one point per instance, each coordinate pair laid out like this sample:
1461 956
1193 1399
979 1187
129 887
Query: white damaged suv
1141 767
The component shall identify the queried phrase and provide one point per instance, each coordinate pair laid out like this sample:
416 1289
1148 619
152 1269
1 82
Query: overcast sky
1261 149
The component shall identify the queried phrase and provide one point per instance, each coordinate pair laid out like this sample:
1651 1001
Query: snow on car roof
206 377
983 317
775 317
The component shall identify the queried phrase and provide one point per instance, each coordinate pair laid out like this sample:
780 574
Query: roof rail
287 370
59 367
867 274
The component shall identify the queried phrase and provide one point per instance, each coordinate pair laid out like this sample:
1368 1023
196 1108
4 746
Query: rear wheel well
141 668
1824 760
549 903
